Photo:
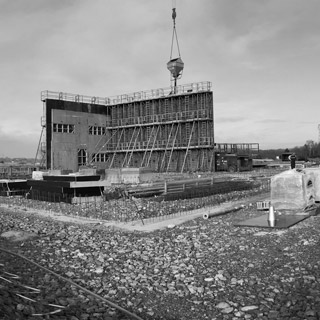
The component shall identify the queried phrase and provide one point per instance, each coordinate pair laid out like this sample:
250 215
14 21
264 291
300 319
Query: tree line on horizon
310 150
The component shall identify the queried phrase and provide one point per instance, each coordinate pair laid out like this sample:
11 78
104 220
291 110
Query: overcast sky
262 57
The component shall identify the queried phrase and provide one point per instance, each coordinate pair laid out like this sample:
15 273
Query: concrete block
130 175
113 176
87 172
38 175
293 190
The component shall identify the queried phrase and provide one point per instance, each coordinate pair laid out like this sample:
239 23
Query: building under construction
167 129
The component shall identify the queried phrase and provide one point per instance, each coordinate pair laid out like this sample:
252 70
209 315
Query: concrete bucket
175 66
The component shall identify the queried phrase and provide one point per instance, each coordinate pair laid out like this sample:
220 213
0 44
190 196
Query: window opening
99 157
63 128
82 157
97 131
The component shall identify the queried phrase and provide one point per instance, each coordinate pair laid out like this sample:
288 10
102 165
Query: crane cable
174 33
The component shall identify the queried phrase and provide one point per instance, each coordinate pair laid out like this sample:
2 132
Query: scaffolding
173 133
40 158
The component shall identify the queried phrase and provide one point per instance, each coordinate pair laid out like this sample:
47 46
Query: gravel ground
202 269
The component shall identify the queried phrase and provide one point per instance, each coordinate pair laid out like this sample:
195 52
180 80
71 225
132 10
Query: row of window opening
70 128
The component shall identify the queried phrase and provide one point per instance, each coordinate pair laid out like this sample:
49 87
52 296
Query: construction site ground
173 269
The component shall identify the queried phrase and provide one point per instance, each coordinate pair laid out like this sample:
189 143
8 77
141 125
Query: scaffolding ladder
204 159
165 150
150 136
173 143
134 146
166 109
115 151
154 142
187 151
131 147
40 150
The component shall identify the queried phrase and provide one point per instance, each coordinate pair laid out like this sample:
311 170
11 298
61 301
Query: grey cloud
267 121
112 47
231 119
18 146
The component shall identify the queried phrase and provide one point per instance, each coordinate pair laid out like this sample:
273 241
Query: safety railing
131 97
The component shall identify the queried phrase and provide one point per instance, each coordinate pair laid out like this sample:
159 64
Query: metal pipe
208 215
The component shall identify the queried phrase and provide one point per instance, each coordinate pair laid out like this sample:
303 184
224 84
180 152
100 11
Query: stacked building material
12 187
64 187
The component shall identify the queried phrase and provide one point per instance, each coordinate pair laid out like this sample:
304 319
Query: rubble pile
203 269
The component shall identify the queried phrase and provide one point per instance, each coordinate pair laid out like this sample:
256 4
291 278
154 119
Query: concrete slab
282 222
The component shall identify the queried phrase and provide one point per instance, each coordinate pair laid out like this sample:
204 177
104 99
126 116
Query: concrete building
162 129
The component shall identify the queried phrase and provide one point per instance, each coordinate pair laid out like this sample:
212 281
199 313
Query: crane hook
174 15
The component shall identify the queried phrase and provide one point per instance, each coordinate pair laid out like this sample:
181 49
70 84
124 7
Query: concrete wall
63 147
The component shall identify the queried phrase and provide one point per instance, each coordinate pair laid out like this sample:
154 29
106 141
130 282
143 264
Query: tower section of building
75 126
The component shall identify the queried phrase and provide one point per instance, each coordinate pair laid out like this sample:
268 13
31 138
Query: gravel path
201 269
